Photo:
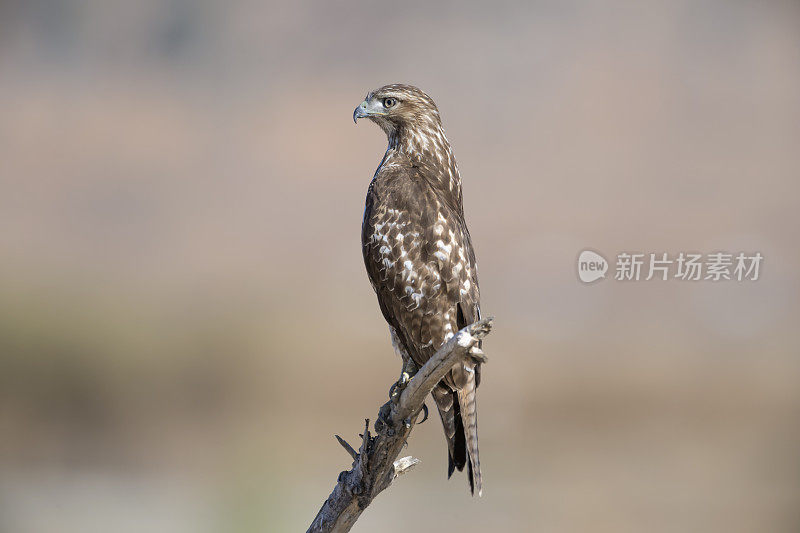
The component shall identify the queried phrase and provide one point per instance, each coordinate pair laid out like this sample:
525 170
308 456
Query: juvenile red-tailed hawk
419 256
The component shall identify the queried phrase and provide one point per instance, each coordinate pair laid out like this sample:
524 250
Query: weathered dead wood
375 464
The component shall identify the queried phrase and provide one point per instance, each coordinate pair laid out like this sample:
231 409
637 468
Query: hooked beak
366 110
360 112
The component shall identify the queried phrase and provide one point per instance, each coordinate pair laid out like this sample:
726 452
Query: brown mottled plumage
419 256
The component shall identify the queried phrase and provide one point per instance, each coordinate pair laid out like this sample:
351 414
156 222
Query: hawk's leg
409 369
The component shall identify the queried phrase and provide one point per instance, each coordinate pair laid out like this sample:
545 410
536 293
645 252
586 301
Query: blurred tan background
183 306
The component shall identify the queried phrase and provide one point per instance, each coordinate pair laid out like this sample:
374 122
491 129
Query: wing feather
419 258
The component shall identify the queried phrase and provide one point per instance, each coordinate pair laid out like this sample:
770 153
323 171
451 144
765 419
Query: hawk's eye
389 102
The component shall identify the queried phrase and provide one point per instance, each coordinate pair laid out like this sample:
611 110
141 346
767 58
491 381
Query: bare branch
349 449
375 465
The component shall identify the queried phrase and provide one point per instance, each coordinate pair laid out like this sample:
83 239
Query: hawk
419 255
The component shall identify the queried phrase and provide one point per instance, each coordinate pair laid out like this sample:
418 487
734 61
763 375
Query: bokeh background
184 317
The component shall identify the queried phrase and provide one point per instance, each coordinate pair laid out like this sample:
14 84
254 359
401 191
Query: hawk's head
399 107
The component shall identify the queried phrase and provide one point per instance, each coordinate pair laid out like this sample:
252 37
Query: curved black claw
425 413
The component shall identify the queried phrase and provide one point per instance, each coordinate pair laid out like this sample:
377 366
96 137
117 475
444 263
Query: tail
458 411
469 418
450 412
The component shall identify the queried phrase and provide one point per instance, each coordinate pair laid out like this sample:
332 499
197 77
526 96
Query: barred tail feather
447 404
469 416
